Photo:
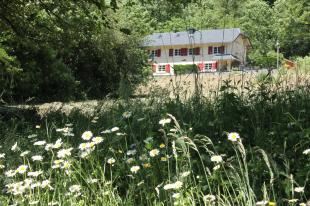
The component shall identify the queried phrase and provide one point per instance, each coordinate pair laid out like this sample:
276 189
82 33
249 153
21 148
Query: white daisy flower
22 169
299 189
176 185
111 161
37 158
57 144
10 173
135 169
87 135
14 147
40 143
131 152
34 174
216 158
97 140
164 121
2 155
64 152
114 129
307 151
209 198
233 136
24 153
154 152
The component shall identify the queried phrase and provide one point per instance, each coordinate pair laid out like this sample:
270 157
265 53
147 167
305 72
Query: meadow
242 143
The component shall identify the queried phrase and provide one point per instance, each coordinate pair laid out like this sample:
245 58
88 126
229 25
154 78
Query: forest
77 50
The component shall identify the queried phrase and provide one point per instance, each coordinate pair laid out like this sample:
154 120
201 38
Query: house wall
235 48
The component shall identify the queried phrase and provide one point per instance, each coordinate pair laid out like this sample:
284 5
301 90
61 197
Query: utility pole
278 48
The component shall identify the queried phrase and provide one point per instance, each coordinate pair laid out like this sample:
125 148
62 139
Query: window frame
190 51
177 52
208 66
216 50
161 68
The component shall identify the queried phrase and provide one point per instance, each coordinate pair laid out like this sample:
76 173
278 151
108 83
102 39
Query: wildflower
209 198
2 166
14 147
272 204
131 152
2 155
185 174
111 161
49 147
263 202
176 195
307 151
24 153
87 135
22 169
114 129
85 154
143 157
162 145
120 134
40 143
292 200
302 204
154 152
97 140
34 174
147 165
34 202
75 188
106 131
216 158
233 136
10 173
46 183
135 169
176 185
216 167
53 203
57 144
64 152
66 165
299 189
37 158
85 146
38 126
130 160
164 159
126 115
164 121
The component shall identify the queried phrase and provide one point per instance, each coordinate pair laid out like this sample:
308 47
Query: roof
225 57
201 37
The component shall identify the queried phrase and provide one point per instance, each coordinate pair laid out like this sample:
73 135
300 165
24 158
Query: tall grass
166 151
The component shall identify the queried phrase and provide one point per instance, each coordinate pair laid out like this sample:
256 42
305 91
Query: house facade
210 50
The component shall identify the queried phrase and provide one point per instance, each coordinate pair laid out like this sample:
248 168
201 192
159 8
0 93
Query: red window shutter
153 67
197 51
184 52
210 50
214 65
170 52
201 66
158 52
167 68
222 49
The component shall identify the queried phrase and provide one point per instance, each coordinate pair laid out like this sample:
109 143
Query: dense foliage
52 50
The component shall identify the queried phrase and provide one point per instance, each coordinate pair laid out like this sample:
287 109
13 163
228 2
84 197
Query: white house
210 50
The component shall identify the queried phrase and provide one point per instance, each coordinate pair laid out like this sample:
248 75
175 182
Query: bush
185 68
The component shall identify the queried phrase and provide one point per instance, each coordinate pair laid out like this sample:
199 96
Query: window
155 53
177 52
161 68
208 66
216 50
190 51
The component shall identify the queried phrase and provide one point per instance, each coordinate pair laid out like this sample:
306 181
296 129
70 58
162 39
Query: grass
166 150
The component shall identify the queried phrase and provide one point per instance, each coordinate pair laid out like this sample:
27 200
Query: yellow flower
272 204
162 145
147 165
233 136
164 159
